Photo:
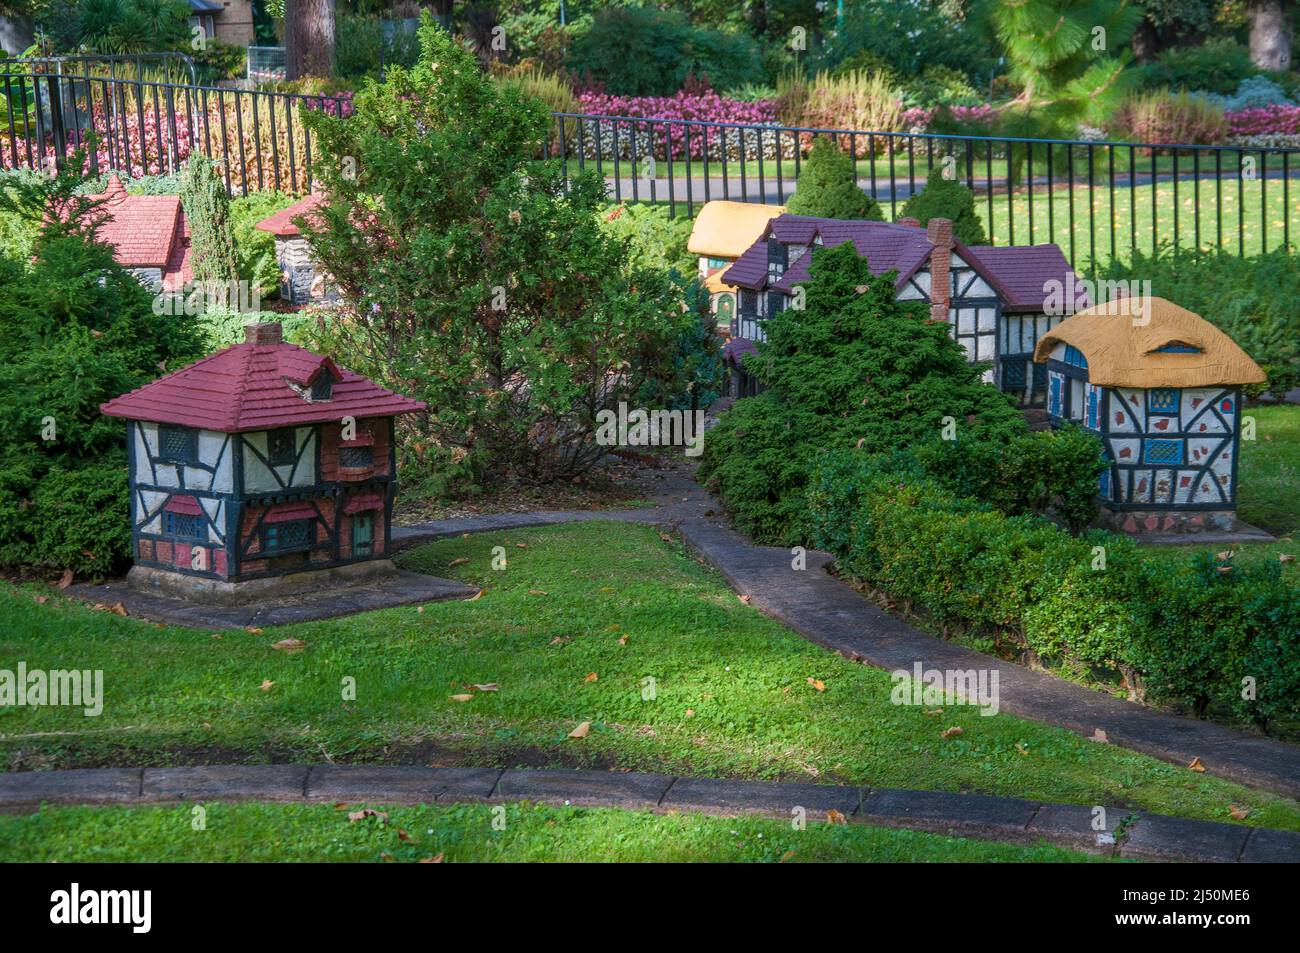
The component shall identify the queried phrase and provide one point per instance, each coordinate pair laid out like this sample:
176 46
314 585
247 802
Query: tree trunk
308 38
16 34
1270 34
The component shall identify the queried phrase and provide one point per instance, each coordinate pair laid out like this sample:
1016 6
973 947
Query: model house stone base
220 592
1163 521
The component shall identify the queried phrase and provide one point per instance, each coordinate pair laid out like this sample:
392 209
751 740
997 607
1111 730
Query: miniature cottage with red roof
260 460
995 300
299 281
149 234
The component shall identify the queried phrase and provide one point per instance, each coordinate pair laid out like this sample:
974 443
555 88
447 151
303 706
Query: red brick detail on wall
221 564
371 429
164 551
345 538
146 550
183 555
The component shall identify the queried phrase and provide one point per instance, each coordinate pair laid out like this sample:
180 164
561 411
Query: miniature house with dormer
720 234
997 302
1161 387
301 282
259 460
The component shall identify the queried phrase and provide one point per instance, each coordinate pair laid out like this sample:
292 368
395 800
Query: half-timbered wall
277 460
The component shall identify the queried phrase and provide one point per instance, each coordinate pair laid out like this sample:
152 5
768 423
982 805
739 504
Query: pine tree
827 187
947 198
1070 57
213 255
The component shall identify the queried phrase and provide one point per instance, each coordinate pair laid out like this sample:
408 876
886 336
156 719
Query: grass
283 832
569 631
1269 473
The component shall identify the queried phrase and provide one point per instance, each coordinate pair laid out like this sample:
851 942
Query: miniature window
1013 374
178 444
356 458
281 447
719 262
1164 451
1074 356
749 302
322 386
1163 400
1178 347
775 303
291 534
183 525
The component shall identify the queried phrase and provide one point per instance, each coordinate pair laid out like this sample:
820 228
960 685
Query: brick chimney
939 232
267 333
909 222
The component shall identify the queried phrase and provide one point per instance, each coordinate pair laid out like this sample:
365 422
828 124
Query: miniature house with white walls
260 460
1161 387
720 234
301 282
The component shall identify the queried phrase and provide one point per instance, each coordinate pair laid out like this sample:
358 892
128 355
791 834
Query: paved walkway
826 611
1150 837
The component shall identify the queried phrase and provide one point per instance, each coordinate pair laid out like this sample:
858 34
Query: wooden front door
363 534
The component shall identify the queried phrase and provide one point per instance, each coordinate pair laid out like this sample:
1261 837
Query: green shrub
256 248
853 366
1216 66
1252 300
849 100
213 252
654 239
76 330
947 198
909 38
644 51
828 188
362 44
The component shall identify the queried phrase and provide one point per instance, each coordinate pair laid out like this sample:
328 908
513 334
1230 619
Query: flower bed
1264 121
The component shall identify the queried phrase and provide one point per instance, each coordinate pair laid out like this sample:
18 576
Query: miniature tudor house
1161 387
720 234
149 234
258 461
300 282
995 300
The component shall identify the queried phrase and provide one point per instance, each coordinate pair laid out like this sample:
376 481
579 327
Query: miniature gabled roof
146 231
1123 340
248 387
724 229
1018 273
281 224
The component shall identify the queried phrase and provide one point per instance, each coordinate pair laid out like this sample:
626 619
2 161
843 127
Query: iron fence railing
1095 199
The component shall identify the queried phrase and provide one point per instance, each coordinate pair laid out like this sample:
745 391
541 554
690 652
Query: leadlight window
749 302
183 525
292 534
1164 451
281 447
356 458
322 387
1163 400
178 444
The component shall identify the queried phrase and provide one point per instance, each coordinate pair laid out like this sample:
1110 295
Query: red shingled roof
1018 273
244 388
146 231
281 223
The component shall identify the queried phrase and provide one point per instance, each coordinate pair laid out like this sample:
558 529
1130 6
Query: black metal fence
1095 199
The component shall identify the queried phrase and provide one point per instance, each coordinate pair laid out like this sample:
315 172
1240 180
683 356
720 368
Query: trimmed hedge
1186 634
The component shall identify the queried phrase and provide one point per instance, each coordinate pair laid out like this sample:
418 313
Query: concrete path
1120 833
826 611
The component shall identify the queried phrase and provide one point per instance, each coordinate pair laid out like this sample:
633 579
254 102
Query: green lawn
465 832
1268 480
569 632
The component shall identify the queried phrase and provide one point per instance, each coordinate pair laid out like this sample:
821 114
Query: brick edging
1146 836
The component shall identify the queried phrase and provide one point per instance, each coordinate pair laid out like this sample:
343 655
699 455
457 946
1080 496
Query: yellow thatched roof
713 283
726 229
1121 341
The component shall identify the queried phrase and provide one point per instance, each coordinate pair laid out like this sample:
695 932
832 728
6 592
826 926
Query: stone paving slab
759 797
256 782
583 788
400 589
1150 837
19 789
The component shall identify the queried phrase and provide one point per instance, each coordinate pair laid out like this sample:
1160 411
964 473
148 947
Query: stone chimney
268 333
939 232
909 222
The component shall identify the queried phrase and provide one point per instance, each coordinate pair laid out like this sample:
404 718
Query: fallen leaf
402 835
521 545
559 640
817 683
1021 748
487 687
289 645
216 635
1226 554
1285 558
461 697
746 599
66 579
340 805
41 600
591 677
1099 736
252 630
786 856
419 610
835 817
435 859
477 596
932 711
267 684
365 812
1197 766
117 609
1238 813
952 732
538 592
458 562
622 640
665 537
581 731
690 713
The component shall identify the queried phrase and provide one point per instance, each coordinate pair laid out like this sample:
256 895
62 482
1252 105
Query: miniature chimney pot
266 333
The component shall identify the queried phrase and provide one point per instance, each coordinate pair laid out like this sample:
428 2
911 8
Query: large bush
856 366
1252 300
76 329
1216 66
909 37
644 51
828 187
471 278
947 198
